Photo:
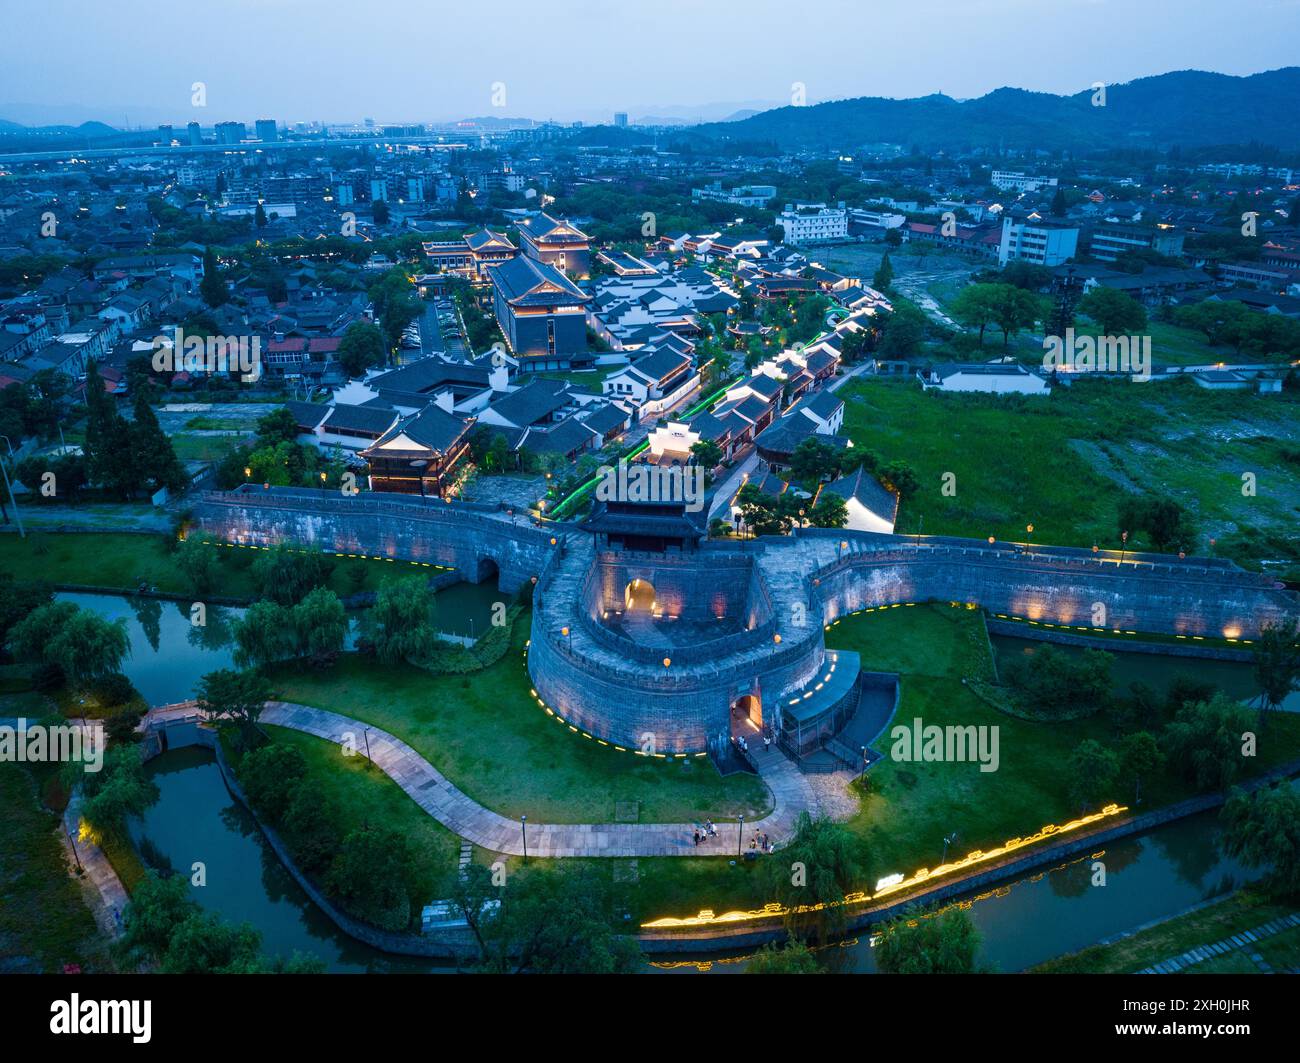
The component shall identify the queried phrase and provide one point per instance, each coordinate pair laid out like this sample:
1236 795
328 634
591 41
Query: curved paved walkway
434 793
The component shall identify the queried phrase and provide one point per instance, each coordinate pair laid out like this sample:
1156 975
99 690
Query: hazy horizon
320 60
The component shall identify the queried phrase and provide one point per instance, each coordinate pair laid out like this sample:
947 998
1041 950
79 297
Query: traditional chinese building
557 243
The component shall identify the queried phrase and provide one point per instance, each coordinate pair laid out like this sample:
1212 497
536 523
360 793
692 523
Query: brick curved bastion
770 600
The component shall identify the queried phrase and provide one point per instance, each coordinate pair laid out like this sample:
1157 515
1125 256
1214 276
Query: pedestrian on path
697 839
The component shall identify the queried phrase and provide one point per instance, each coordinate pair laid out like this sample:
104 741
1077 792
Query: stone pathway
458 812
98 871
1245 941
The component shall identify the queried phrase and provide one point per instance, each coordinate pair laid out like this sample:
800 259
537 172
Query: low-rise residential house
656 381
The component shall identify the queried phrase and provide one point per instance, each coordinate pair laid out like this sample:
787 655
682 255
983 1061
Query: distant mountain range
1187 107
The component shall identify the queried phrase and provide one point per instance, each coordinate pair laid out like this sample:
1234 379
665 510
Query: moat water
1027 921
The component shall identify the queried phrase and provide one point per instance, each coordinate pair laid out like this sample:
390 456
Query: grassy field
123 562
489 737
44 922
1063 463
1243 910
368 797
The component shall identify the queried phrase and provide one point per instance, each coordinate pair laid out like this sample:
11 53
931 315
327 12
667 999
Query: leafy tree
792 958
372 877
265 635
1168 524
1116 313
1093 770
321 624
157 907
900 478
552 920
884 276
830 511
1262 830
706 453
259 216
270 777
212 288
814 461
116 792
401 621
285 574
974 307
1059 686
198 560
1277 662
204 944
1014 310
238 696
18 600
278 426
311 826
1139 755
83 644
929 943
826 852
361 347
152 454
902 332
1205 740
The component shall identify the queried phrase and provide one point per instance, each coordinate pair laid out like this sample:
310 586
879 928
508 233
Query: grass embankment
366 797
486 733
1063 463
1243 910
120 562
44 921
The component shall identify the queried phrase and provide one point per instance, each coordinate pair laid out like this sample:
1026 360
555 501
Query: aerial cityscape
524 494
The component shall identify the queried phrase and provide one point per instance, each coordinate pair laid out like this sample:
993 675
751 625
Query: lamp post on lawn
523 826
864 764
948 839
367 737
72 839
740 831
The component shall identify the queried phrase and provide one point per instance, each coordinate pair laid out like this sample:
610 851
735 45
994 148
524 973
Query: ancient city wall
454 535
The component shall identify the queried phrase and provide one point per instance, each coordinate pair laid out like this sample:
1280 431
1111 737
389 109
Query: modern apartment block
1109 240
1015 181
810 223
1033 239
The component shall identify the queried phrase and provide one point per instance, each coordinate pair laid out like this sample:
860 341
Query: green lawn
1243 910
123 561
489 737
369 798
44 921
902 825
1063 463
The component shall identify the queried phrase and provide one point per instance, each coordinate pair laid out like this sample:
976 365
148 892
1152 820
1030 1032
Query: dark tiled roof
432 427
861 485
524 282
374 420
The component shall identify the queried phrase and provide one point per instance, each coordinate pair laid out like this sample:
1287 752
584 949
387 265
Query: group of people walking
703 834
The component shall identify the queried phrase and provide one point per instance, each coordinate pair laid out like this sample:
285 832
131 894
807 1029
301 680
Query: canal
1029 920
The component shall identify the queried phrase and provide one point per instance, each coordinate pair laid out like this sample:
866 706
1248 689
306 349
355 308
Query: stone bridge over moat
619 690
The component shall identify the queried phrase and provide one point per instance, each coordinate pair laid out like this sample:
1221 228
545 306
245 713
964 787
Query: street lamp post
9 487
864 764
948 839
72 840
523 826
740 831
367 737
